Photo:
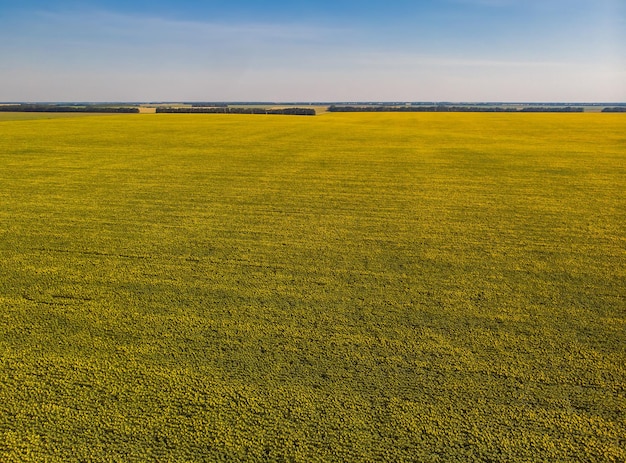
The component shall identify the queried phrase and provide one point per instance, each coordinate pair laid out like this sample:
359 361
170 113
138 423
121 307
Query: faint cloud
486 3
385 59
97 24
98 38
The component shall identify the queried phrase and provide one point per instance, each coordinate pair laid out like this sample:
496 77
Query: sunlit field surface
346 287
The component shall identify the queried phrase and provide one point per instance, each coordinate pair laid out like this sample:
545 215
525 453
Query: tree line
447 109
228 110
52 108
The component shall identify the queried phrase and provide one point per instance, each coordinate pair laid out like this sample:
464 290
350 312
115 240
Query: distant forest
293 109
227 110
451 109
53 108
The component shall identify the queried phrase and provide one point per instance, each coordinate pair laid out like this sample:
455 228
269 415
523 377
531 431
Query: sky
318 51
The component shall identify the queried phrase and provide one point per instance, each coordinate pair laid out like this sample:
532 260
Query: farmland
346 287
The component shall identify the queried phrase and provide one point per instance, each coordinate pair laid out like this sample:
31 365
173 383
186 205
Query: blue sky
337 50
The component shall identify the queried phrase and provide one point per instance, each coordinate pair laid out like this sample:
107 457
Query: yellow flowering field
346 287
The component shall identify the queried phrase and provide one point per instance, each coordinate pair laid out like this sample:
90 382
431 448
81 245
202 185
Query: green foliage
225 109
349 287
57 108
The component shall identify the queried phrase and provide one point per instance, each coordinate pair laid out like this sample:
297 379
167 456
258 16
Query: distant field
347 287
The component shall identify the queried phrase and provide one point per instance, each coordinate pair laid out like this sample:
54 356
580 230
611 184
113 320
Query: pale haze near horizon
448 50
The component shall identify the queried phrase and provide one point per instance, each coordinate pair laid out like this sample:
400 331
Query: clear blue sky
319 50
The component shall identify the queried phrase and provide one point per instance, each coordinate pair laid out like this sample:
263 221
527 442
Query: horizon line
315 102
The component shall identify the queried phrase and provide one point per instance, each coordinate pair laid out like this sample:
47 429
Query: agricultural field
347 287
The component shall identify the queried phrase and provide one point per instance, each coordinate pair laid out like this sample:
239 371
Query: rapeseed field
346 287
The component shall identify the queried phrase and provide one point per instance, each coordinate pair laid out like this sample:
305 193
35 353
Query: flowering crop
346 287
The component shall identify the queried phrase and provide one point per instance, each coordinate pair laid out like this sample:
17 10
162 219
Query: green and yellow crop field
346 287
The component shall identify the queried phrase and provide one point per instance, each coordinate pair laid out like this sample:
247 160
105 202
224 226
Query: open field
347 287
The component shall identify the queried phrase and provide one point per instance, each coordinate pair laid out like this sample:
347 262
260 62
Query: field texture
347 287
